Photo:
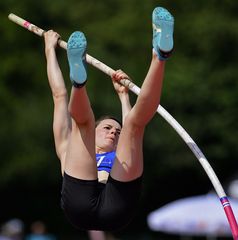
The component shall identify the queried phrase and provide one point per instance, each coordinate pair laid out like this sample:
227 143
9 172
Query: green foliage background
200 91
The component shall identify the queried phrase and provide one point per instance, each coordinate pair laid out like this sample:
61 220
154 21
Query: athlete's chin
110 148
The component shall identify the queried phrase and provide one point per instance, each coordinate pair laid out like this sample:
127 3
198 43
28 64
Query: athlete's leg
80 159
129 163
96 235
61 119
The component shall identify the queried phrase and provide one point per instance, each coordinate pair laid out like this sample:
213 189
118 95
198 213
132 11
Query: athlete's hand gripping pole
177 127
89 59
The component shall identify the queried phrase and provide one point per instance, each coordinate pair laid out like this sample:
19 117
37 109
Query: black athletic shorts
90 205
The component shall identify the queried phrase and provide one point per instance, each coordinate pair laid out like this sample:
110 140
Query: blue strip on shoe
163 27
76 53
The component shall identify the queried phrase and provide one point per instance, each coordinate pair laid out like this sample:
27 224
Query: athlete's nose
113 131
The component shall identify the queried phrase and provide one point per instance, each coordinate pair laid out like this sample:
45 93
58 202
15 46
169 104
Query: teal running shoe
76 53
163 28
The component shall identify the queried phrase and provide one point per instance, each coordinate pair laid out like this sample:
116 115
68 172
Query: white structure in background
233 189
193 216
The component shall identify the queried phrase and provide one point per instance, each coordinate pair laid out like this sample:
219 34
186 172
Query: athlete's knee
59 93
133 125
86 120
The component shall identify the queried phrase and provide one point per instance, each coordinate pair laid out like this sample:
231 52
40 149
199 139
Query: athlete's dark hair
107 117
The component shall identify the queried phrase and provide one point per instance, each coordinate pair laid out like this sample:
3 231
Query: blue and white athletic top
105 161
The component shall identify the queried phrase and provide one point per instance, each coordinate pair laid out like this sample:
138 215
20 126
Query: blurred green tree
200 91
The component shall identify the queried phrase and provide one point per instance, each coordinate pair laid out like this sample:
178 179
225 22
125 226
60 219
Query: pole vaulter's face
107 135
